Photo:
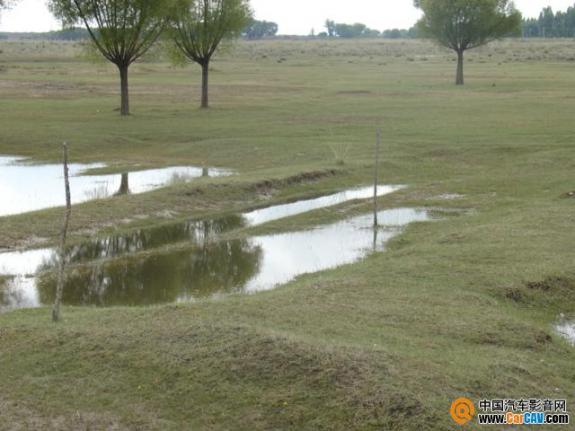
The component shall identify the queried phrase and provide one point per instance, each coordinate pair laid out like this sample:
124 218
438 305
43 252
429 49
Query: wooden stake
64 234
376 178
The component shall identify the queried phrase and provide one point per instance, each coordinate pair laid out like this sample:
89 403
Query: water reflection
32 261
210 267
277 212
28 187
160 278
25 263
19 292
195 232
567 330
124 185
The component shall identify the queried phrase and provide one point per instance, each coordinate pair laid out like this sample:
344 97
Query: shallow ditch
138 269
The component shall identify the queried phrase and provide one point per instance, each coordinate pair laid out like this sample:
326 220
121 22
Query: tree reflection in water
206 269
194 232
124 185
192 260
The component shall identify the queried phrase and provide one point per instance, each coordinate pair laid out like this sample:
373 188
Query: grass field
460 307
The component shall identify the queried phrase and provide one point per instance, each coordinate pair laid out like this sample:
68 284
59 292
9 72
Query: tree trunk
205 82
459 78
124 186
125 104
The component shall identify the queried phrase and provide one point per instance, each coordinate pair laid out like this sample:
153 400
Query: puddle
567 330
18 293
281 211
109 271
30 262
24 263
206 267
26 187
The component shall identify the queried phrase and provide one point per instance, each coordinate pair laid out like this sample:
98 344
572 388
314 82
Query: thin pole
64 234
376 177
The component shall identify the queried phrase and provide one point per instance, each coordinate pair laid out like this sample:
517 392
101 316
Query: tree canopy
199 27
5 4
465 24
400 33
260 29
551 24
122 30
349 31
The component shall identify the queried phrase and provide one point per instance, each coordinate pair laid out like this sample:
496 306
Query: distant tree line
72 34
347 31
551 24
357 30
5 3
255 30
402 33
260 29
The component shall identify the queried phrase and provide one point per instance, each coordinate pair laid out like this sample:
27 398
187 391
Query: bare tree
121 30
199 27
63 237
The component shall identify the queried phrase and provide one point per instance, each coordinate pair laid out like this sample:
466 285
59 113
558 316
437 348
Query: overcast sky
293 16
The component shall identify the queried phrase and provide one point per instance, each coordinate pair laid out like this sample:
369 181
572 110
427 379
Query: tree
199 26
400 33
549 24
547 21
393 34
260 29
370 32
4 4
121 30
330 27
349 30
465 24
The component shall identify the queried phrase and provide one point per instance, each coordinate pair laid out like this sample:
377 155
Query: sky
293 16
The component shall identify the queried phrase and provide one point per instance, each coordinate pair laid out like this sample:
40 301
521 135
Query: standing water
30 262
203 266
26 187
282 211
567 330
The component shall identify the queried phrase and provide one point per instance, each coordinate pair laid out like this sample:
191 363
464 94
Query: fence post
64 234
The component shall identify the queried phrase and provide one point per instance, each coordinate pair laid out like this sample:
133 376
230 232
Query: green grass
447 311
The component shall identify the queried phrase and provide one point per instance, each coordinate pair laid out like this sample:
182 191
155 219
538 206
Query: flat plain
462 306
